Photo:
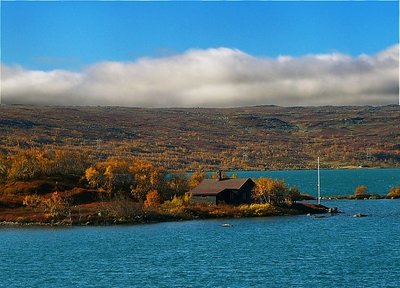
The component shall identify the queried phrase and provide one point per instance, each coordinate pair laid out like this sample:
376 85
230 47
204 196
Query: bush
177 204
32 201
361 192
254 209
119 210
394 192
54 206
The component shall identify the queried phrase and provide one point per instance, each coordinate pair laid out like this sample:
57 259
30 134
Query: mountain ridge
239 138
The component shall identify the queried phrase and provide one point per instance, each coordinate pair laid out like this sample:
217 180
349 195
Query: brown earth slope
262 137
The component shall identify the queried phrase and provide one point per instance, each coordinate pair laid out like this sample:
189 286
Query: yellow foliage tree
145 177
110 176
271 191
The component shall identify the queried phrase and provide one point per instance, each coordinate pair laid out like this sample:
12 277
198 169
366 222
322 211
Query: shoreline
188 214
153 217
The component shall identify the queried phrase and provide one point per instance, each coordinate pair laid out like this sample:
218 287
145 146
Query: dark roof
212 187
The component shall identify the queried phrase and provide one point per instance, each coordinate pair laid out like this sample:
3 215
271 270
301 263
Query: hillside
262 137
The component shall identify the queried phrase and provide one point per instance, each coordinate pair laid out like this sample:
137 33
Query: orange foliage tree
196 178
134 178
152 199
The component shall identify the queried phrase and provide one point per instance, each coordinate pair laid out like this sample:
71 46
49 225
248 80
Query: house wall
241 196
246 192
229 196
204 199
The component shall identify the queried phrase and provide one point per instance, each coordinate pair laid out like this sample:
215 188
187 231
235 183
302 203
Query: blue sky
200 54
70 35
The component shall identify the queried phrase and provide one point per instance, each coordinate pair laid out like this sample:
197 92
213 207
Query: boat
227 225
333 210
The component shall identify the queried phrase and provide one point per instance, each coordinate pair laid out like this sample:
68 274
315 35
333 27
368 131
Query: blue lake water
333 182
291 251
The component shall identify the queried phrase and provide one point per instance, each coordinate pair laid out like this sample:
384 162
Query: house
228 191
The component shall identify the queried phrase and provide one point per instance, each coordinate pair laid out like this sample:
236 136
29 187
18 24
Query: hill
261 137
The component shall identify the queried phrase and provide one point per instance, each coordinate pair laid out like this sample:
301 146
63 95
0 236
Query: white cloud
219 77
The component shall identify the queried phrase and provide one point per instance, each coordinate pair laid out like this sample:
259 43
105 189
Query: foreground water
293 251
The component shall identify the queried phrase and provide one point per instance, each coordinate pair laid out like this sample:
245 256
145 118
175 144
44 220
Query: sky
200 54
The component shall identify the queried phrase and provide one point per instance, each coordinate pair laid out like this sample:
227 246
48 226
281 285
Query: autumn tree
32 163
110 176
177 185
134 178
68 162
25 165
145 178
196 178
272 191
261 190
219 174
292 195
152 200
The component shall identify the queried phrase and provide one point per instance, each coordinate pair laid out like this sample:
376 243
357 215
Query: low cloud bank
220 77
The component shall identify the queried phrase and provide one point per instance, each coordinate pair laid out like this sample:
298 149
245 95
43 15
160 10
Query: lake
291 251
333 182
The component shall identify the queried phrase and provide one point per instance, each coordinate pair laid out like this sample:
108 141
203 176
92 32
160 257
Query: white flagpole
319 187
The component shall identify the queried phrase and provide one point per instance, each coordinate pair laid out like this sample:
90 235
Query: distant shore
362 197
